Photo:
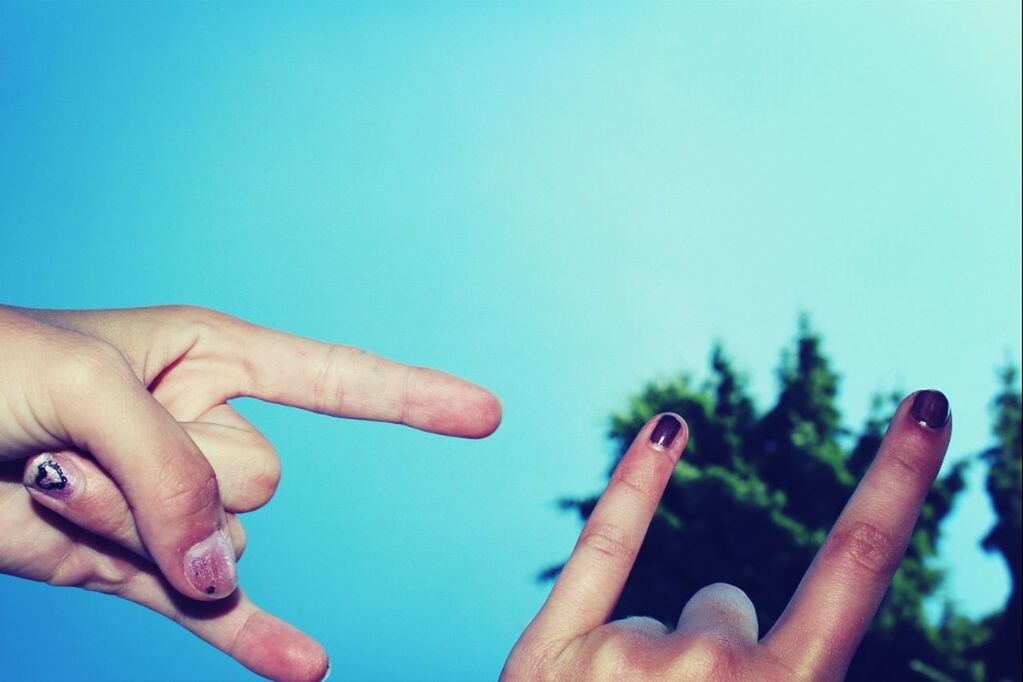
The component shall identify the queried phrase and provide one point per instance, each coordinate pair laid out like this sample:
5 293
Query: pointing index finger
349 382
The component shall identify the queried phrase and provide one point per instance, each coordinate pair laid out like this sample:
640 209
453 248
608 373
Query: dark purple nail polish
930 409
47 475
665 431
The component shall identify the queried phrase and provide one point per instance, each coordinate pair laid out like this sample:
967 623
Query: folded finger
830 611
76 488
720 609
592 580
170 487
247 466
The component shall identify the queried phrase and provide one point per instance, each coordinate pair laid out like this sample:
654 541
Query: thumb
170 487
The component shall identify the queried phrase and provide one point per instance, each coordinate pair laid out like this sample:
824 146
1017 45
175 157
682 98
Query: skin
133 404
717 635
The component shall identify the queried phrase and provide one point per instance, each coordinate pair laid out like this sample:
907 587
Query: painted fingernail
209 565
53 475
930 409
665 431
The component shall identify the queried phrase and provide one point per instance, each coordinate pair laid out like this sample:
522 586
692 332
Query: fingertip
667 431
445 404
489 413
274 649
930 409
924 417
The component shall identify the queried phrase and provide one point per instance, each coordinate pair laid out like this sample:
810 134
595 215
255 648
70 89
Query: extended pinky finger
592 580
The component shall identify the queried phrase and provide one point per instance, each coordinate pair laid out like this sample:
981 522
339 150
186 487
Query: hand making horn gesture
717 636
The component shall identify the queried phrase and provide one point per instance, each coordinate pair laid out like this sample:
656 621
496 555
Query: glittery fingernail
210 565
53 475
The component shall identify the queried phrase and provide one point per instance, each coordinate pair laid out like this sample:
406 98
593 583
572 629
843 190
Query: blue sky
559 202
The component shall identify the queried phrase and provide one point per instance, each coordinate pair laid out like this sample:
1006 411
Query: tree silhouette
755 494
1004 482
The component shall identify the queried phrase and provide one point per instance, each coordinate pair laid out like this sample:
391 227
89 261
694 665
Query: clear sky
556 201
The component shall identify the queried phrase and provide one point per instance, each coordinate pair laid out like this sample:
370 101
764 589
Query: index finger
591 582
349 382
821 627
249 360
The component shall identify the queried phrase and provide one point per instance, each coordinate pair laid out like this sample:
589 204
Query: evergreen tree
1003 485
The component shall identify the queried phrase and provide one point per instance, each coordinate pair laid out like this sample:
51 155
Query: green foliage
755 495
1004 482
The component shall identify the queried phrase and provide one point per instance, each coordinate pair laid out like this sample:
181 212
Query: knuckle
614 658
190 314
910 457
258 487
607 540
625 651
105 514
90 365
98 573
865 546
642 626
777 666
193 321
328 389
530 662
706 656
193 495
267 478
637 478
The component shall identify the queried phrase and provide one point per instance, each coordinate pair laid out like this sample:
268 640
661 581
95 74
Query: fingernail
209 565
665 431
56 477
327 674
930 409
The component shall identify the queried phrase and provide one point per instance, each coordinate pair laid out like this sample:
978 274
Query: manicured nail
665 431
930 409
55 476
209 565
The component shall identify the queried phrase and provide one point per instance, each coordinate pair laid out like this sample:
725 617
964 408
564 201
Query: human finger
720 609
247 466
238 358
837 598
76 488
592 579
170 487
349 382
258 640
